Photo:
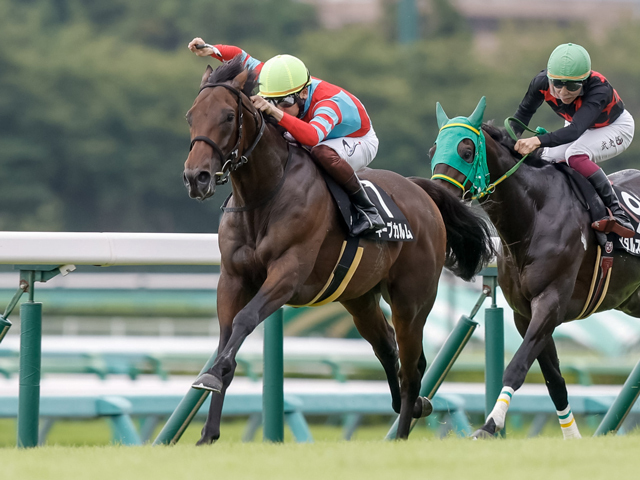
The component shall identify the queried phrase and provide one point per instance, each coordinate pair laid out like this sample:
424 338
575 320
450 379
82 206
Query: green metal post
441 365
622 405
273 379
30 357
494 349
407 21
5 325
184 412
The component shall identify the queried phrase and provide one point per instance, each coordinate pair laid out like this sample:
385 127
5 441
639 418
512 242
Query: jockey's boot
619 222
368 218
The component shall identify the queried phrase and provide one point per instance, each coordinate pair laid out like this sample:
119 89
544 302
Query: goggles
283 102
570 85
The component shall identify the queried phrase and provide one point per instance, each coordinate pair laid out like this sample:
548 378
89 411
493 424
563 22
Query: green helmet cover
569 62
283 75
452 132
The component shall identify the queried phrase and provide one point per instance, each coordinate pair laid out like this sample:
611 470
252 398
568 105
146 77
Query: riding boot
368 218
619 222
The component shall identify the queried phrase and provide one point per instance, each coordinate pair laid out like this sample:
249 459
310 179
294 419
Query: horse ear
441 116
240 80
476 117
207 74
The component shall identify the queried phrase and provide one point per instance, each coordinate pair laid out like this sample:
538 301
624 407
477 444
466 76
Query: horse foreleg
231 299
275 291
547 311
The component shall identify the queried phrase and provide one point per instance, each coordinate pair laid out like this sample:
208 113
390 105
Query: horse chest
244 261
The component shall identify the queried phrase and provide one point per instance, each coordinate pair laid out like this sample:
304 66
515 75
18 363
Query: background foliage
93 95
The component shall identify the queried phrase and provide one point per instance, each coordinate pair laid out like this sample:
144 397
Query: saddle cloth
397 226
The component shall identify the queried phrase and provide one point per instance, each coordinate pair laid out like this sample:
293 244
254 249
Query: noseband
232 160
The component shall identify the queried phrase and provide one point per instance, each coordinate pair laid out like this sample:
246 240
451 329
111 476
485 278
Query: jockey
327 118
597 126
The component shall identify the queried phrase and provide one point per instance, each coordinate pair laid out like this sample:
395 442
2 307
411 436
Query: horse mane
230 70
501 136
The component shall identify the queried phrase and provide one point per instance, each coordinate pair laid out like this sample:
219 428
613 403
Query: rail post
493 343
30 350
273 379
622 405
185 411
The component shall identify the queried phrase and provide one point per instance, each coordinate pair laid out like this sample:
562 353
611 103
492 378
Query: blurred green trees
93 96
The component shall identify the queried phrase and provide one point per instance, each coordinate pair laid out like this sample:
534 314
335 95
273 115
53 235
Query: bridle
232 160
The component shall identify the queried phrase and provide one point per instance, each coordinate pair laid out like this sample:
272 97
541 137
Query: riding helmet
569 62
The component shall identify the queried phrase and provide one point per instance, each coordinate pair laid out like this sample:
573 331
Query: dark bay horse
281 239
548 255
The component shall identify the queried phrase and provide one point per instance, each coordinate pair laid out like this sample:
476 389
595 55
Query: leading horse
546 263
281 236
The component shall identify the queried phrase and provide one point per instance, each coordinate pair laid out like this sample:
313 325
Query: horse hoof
209 382
481 434
488 430
423 408
206 441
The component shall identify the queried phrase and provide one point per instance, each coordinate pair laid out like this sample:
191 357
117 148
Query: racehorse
548 253
281 236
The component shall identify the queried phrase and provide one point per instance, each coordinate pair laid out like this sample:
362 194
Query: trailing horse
549 250
282 234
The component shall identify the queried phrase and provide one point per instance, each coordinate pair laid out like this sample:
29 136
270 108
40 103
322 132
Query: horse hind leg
550 367
374 328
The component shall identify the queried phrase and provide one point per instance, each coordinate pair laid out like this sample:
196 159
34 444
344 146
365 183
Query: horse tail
469 244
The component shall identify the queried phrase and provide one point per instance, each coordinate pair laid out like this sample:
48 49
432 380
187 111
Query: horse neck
258 178
515 202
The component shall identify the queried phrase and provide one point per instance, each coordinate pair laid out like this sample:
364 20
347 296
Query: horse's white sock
499 412
568 423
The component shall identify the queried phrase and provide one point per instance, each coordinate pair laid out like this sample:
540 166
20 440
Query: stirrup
612 224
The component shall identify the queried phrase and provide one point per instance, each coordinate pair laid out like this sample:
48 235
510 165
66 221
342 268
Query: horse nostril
204 178
185 180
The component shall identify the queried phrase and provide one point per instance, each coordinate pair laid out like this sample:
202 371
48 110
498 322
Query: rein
232 160
507 125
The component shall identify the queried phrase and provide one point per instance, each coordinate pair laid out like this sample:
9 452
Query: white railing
108 248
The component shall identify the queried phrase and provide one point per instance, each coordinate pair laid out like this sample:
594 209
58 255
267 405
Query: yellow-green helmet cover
283 75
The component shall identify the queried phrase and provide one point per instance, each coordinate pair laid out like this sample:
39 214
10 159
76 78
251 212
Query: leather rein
232 160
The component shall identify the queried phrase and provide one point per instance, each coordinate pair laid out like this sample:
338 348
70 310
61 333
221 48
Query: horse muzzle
199 183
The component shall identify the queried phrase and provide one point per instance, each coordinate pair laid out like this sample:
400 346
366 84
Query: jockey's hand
261 104
524 146
205 51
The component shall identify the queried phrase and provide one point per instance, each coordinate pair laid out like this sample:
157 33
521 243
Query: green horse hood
452 132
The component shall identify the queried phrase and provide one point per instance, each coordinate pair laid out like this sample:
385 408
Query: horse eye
230 117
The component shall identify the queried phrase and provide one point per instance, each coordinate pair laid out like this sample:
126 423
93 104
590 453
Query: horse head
459 154
220 140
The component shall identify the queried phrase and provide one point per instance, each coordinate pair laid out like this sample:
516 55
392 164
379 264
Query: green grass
452 458
80 450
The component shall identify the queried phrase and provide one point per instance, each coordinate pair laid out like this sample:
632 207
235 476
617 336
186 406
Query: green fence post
494 347
441 365
185 411
407 21
30 358
622 404
273 379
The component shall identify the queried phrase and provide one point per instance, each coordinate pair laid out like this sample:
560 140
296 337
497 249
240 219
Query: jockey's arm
225 53
583 119
326 116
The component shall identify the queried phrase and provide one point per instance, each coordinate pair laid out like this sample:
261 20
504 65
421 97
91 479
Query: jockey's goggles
570 85
283 102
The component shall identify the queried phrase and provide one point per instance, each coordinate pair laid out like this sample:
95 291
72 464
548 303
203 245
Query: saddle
608 242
